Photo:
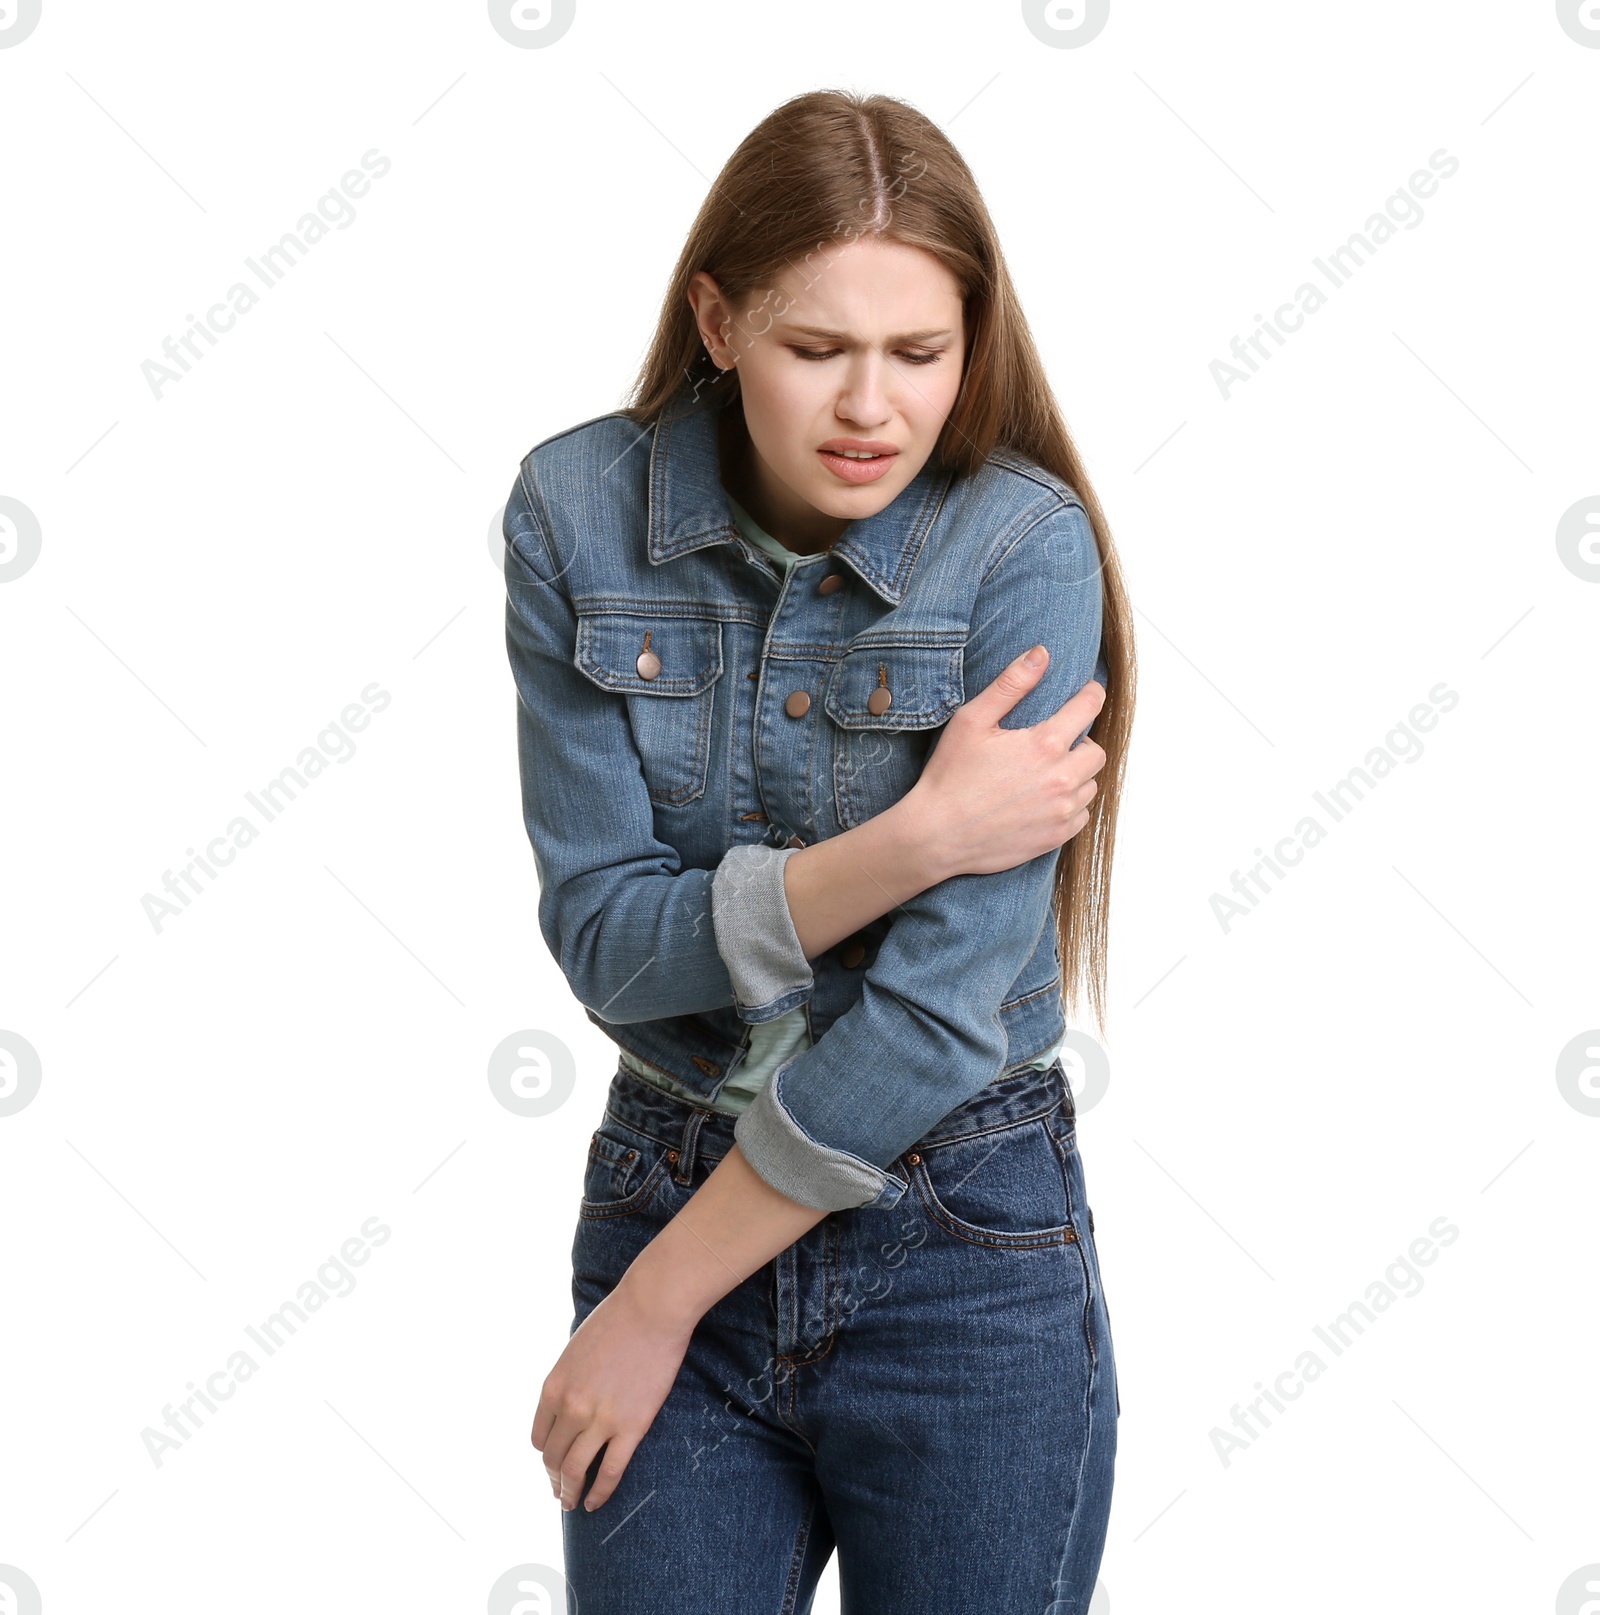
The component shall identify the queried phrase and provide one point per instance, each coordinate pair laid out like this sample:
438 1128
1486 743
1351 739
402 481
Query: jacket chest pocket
666 668
885 703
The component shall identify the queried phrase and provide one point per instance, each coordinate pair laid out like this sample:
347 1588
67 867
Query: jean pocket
886 701
667 669
624 1171
1003 1187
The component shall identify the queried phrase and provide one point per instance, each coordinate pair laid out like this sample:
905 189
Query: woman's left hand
605 1391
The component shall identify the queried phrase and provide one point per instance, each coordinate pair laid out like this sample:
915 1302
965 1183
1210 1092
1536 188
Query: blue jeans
928 1387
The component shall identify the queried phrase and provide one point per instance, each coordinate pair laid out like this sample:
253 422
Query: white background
1292 1101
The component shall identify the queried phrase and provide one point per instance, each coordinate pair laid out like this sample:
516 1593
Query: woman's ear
712 315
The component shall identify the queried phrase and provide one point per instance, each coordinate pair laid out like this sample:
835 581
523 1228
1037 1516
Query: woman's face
860 351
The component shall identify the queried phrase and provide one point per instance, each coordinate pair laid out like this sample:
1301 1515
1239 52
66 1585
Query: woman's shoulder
1020 484
578 455
1009 496
576 482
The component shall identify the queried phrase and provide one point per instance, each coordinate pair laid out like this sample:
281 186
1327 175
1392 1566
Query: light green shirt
771 1042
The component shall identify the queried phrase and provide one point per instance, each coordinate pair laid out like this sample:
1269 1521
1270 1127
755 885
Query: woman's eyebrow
844 336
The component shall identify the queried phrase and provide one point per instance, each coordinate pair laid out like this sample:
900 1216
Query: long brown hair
828 167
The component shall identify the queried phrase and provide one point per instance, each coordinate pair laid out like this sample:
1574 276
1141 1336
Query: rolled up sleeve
756 935
925 1035
637 936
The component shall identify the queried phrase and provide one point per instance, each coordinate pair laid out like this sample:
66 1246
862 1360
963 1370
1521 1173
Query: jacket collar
689 510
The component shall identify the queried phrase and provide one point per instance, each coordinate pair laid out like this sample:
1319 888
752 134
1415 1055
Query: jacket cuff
795 1164
755 933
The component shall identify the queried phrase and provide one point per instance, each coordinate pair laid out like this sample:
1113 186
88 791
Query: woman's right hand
990 798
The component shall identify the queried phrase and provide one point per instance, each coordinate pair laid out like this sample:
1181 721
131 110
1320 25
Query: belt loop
683 1171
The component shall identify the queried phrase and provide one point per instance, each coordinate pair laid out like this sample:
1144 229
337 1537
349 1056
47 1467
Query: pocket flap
923 684
687 652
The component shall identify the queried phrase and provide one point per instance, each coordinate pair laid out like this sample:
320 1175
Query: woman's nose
865 400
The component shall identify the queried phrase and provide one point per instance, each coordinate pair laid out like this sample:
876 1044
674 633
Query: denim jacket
687 719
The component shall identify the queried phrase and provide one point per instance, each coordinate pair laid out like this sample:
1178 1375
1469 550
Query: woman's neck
795 524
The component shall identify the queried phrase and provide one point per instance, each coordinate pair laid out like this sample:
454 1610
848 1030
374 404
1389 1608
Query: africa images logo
1402 210
334 210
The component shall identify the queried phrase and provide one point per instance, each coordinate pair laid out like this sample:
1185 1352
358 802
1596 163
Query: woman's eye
833 353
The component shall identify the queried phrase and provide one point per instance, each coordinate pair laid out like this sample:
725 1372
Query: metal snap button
913 1159
649 664
852 955
798 704
834 580
672 1155
878 701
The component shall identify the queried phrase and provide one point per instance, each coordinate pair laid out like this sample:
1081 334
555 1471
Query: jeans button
798 704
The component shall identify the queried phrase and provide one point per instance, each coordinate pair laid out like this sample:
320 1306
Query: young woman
834 1279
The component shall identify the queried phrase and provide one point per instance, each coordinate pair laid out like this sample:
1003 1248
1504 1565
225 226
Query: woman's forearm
732 1225
736 1221
839 885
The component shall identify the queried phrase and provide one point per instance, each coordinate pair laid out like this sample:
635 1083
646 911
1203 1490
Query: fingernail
1036 657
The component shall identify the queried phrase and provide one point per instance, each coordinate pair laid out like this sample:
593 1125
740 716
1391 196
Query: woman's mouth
857 462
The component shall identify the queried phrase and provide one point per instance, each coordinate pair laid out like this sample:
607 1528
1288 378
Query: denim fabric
928 1387
655 652
756 937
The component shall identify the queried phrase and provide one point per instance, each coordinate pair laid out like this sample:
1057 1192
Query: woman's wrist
658 1295
733 1223
922 833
